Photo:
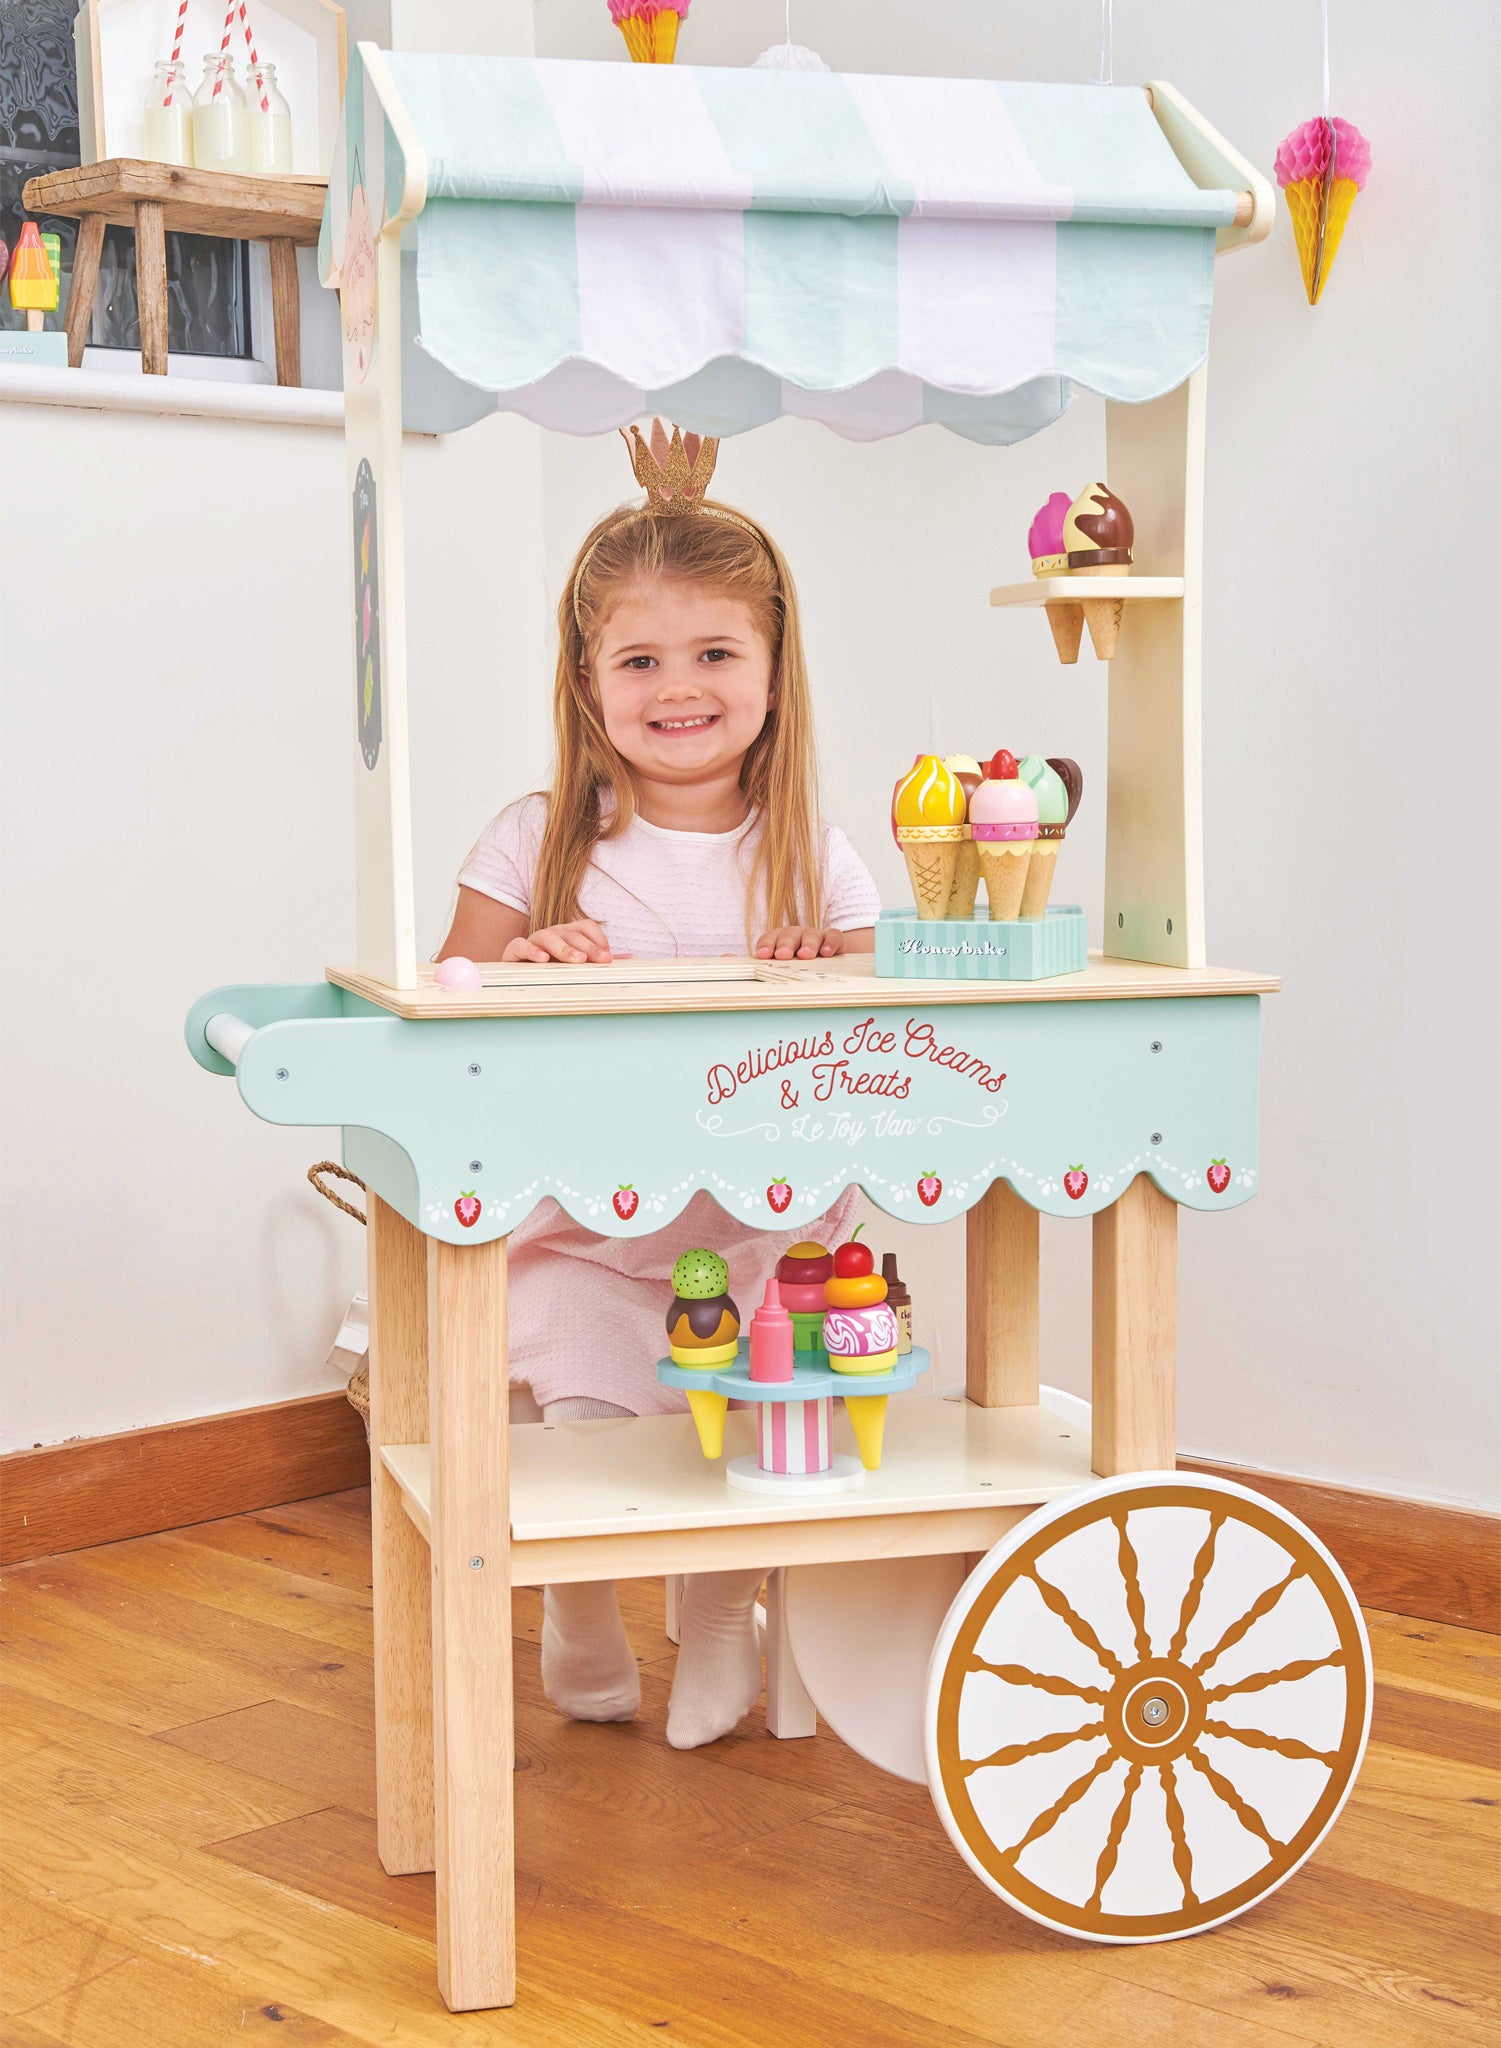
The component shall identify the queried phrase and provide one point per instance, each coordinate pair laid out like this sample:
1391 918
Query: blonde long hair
779 774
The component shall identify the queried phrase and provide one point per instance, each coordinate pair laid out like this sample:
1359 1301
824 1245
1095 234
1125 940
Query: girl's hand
581 940
799 942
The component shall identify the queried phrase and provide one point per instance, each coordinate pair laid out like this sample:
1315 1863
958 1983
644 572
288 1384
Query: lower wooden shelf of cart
636 1497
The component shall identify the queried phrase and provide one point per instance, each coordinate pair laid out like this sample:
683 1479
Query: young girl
682 819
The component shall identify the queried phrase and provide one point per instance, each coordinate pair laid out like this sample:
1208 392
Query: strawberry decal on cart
929 1188
1217 1173
626 1201
779 1194
1075 1181
468 1209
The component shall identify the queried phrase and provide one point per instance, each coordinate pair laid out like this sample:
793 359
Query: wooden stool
156 199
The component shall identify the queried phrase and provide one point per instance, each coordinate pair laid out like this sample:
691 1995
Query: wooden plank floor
189 1851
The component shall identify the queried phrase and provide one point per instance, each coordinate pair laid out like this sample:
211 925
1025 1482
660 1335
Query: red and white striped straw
255 62
229 28
182 15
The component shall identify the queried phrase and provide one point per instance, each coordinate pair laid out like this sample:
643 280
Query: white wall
167 1260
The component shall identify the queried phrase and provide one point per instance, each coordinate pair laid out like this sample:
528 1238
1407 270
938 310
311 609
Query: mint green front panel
621 1119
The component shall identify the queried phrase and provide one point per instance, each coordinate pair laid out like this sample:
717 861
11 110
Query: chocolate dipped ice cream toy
703 1333
1098 535
1058 786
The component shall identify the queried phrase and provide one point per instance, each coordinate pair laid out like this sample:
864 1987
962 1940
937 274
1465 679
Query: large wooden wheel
1147 1707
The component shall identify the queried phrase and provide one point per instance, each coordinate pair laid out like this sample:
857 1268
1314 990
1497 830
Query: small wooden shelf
161 199
637 1497
236 208
1039 590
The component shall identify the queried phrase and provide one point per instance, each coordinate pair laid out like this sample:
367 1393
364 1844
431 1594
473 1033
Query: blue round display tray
808 1382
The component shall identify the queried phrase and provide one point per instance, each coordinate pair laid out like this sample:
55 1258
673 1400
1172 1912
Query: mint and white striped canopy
604 240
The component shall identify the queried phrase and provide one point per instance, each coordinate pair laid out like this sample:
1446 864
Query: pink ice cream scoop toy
1003 807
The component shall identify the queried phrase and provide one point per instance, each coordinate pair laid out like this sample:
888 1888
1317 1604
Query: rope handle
332 1166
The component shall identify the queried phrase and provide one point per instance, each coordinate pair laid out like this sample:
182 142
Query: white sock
588 1668
718 1674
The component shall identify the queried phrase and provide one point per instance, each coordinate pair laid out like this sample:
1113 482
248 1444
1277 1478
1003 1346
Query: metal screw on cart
474 1069
476 1564
476 1166
1154 1712
282 1074
1156 1045
1156 1137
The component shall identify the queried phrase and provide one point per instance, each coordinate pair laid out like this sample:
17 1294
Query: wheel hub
1155 1711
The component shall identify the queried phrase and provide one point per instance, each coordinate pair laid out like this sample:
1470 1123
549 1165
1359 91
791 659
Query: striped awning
595 241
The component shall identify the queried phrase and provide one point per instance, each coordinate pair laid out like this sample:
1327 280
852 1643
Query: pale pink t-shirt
587 1315
659 893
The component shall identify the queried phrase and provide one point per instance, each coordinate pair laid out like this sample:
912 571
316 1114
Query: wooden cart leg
1135 1332
402 1574
1001 1300
151 286
81 290
790 1713
286 313
473 1733
674 1585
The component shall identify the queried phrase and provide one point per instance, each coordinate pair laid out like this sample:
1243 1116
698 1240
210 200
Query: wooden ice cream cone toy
1040 871
932 856
1003 819
1067 623
1098 535
927 818
708 1410
867 1414
1057 786
966 880
1003 868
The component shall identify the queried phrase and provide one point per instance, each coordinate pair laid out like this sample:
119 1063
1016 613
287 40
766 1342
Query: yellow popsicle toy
33 280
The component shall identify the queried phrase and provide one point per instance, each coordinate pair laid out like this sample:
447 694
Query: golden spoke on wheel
1244 1812
1136 1605
1112 1848
1019 1674
1286 1674
1057 1603
1195 1593
1284 1745
1263 1604
1015 1752
1061 1805
1183 1861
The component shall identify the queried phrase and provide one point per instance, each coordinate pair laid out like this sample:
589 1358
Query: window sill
178 397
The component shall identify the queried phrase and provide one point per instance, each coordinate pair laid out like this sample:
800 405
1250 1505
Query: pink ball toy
457 972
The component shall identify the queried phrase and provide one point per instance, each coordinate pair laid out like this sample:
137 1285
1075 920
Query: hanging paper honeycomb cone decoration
1320 167
1318 218
650 29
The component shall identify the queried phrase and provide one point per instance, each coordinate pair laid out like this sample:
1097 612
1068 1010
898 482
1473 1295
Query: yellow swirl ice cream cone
927 815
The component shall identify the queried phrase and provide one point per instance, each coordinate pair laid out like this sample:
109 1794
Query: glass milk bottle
221 137
169 116
270 120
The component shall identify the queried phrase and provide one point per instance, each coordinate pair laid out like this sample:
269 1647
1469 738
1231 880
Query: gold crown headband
675 475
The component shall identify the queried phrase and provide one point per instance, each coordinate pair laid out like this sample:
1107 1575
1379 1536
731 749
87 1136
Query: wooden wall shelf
1075 589
160 199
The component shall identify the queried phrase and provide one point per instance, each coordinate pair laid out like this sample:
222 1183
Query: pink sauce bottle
771 1338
